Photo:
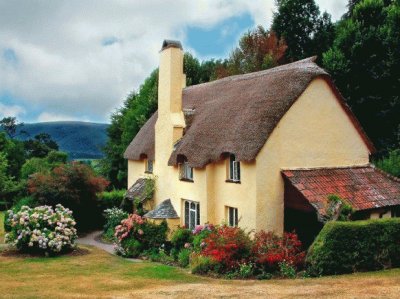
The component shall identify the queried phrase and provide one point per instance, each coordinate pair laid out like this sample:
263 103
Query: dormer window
234 169
185 172
149 166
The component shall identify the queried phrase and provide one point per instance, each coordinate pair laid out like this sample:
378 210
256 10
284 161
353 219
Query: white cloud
84 57
46 117
12 110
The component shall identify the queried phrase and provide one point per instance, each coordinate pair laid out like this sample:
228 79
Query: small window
233 218
185 172
234 169
192 214
149 166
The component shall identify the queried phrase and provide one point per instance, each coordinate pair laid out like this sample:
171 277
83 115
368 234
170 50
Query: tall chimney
170 77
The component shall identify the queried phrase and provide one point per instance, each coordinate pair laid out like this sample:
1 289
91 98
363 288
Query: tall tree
258 49
304 30
10 126
365 64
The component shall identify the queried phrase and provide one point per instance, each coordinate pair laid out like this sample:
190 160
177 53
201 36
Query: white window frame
185 171
234 169
149 169
191 211
233 216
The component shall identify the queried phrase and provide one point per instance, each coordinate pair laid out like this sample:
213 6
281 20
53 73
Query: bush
73 185
136 235
184 257
391 163
179 238
42 229
201 264
113 218
227 246
25 201
345 247
112 199
269 250
199 234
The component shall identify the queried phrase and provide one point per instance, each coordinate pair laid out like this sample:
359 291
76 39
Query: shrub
136 235
391 163
42 229
179 238
270 249
344 247
227 246
201 264
74 186
113 217
184 257
112 199
287 270
199 234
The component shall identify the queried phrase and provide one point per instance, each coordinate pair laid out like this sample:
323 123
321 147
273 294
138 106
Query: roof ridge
252 75
329 167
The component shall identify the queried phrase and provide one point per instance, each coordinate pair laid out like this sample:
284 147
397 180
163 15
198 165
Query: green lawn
98 274
1 227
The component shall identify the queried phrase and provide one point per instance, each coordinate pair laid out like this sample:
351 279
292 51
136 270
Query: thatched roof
235 115
143 143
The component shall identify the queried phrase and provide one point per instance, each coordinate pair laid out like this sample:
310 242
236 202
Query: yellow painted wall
315 132
136 170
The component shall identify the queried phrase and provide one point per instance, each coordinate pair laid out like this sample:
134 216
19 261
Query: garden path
94 238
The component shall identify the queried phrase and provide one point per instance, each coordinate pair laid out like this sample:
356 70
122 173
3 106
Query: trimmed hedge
345 247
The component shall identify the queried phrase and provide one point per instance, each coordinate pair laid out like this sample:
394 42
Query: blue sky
78 60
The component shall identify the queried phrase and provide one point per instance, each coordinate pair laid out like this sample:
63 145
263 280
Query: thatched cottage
261 150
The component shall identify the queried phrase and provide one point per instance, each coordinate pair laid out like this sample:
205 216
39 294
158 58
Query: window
234 169
192 214
185 172
149 166
233 218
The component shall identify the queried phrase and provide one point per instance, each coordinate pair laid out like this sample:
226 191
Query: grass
1 227
98 274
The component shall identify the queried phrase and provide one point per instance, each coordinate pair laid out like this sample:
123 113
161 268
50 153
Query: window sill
232 181
148 172
186 180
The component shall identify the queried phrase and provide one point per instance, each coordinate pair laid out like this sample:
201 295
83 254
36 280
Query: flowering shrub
135 235
270 250
41 229
228 246
199 234
113 217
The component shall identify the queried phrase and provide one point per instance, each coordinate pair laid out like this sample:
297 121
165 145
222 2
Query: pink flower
187 245
140 232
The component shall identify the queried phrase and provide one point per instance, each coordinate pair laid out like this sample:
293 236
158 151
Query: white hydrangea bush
42 229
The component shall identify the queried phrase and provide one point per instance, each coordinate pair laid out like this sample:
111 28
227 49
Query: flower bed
41 230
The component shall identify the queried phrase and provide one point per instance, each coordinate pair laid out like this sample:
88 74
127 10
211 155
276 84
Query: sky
79 59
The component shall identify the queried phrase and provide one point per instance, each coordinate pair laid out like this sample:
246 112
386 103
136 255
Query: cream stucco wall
315 132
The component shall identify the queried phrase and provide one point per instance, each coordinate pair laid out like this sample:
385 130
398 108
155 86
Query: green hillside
81 140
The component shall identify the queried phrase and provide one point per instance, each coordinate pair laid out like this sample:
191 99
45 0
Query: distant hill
81 140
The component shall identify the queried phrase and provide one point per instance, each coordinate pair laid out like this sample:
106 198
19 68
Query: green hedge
345 247
108 200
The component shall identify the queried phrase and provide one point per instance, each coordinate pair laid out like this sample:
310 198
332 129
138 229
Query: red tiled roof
363 187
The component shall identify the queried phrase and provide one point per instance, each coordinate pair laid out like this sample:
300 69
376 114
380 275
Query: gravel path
94 238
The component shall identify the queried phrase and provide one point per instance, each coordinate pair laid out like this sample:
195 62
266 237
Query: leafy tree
15 154
365 64
390 163
6 183
304 30
40 146
258 49
43 165
73 185
10 126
